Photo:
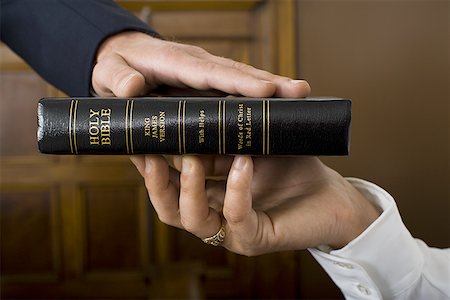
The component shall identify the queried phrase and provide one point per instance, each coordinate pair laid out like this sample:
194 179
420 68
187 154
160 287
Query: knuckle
197 50
240 66
102 66
96 72
208 66
171 52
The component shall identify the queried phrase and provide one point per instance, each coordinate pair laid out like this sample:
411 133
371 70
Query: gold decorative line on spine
268 127
263 126
74 127
223 127
70 126
219 136
179 127
127 139
131 126
184 126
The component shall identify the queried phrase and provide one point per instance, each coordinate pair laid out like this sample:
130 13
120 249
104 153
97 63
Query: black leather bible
269 126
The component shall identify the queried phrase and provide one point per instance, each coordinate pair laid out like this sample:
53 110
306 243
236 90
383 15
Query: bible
198 125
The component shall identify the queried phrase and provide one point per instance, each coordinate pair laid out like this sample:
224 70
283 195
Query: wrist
353 215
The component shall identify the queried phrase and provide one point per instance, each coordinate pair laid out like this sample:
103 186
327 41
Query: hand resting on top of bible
134 64
265 204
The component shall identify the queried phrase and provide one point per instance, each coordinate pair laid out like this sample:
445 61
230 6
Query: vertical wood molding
162 240
144 229
286 37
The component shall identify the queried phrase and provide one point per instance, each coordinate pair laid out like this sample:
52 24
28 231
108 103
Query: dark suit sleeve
59 38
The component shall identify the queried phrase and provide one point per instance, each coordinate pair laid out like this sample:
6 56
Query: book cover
216 125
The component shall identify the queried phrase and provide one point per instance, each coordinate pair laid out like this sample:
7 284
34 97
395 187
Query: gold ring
216 239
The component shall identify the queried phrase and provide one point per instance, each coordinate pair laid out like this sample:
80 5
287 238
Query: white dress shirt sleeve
385 261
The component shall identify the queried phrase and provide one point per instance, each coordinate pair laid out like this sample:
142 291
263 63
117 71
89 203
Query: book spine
194 125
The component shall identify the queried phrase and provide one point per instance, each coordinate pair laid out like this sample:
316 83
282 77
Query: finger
215 166
215 185
139 163
196 215
178 68
241 219
162 189
171 91
112 76
285 87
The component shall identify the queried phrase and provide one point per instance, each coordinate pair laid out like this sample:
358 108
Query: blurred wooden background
82 227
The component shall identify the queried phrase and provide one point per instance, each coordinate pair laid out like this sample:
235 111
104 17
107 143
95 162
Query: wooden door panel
30 240
111 228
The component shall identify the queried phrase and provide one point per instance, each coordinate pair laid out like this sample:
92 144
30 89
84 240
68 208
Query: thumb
112 76
242 220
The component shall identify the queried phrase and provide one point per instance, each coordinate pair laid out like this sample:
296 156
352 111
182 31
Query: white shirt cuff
381 262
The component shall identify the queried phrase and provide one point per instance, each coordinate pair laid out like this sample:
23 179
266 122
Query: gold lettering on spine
184 126
223 126
74 127
147 127
162 126
201 126
248 127
131 125
240 126
70 126
105 126
127 139
268 127
179 127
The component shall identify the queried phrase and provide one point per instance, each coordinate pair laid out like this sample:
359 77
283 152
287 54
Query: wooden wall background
70 231
82 226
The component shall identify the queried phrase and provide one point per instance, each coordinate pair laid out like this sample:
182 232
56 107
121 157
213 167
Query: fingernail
240 162
187 164
148 165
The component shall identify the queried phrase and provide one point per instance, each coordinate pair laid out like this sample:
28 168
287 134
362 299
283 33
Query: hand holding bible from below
266 204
